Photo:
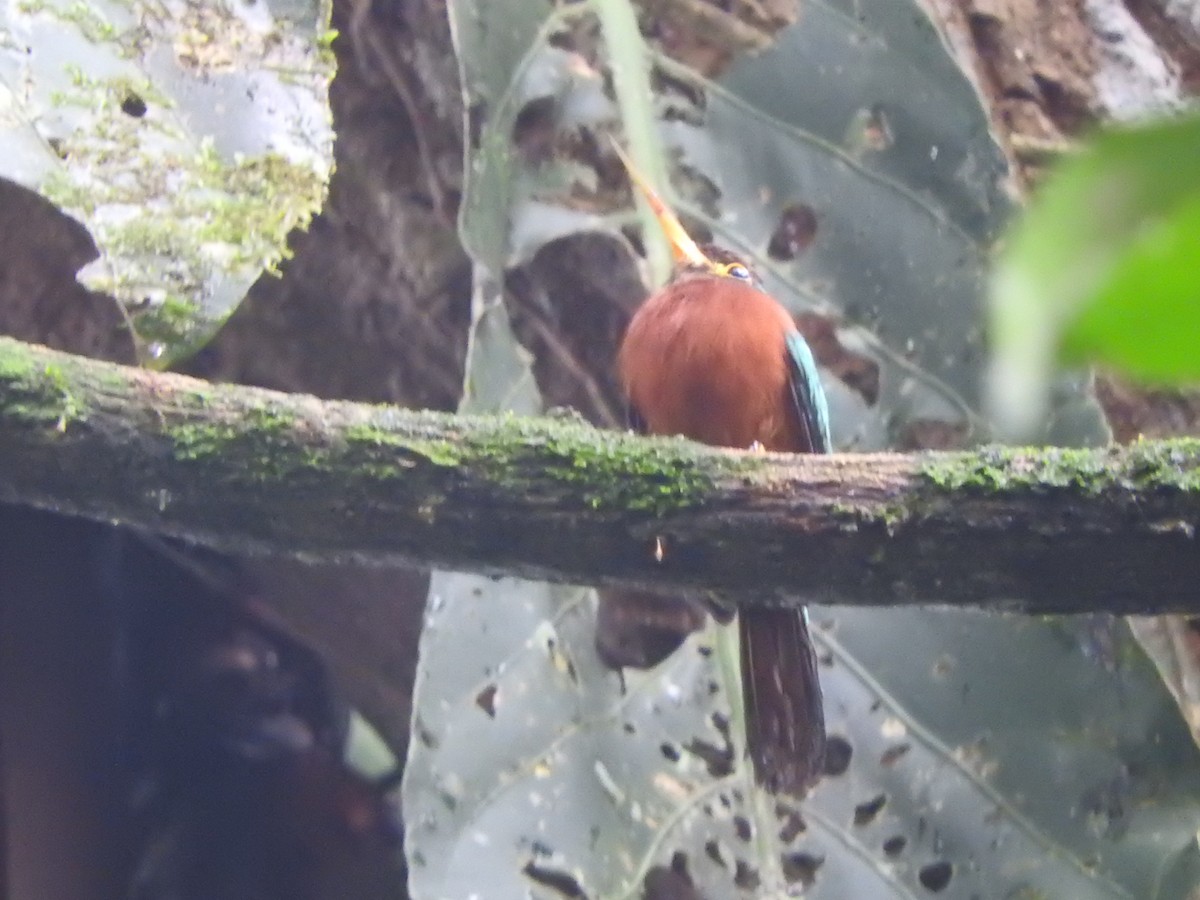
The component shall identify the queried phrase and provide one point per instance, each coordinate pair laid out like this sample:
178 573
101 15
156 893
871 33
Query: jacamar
713 357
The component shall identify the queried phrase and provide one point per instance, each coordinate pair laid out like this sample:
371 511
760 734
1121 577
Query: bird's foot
567 414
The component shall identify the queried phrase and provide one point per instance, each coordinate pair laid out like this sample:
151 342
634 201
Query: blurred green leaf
1009 756
1102 268
627 54
190 139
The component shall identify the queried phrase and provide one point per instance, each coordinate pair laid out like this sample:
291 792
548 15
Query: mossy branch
247 470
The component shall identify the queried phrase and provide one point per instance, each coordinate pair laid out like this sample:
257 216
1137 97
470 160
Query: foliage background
375 304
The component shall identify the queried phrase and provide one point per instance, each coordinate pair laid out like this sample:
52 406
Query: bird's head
691 259
719 262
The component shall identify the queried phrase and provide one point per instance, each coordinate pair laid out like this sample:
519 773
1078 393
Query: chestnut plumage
714 358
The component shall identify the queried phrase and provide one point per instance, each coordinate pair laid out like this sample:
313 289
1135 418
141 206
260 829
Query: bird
712 357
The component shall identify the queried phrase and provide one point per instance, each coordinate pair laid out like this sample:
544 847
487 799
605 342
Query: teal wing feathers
808 394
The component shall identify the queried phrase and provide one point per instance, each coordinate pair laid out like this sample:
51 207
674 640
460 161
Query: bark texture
250 470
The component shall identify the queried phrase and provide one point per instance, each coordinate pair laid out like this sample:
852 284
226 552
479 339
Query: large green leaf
1103 268
983 755
189 138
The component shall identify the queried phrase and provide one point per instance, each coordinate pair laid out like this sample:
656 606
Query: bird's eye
737 270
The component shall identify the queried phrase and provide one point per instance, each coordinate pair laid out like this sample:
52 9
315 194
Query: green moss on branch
1173 465
244 469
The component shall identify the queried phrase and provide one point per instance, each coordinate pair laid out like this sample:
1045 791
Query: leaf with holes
851 162
189 138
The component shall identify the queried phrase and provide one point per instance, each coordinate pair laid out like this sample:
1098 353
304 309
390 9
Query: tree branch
254 471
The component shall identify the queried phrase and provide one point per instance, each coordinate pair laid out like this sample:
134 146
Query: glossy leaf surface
973 753
190 139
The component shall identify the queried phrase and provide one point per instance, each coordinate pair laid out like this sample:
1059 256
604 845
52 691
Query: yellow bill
682 245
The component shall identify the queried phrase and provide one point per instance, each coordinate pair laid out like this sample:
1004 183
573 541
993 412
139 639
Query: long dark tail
785 721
